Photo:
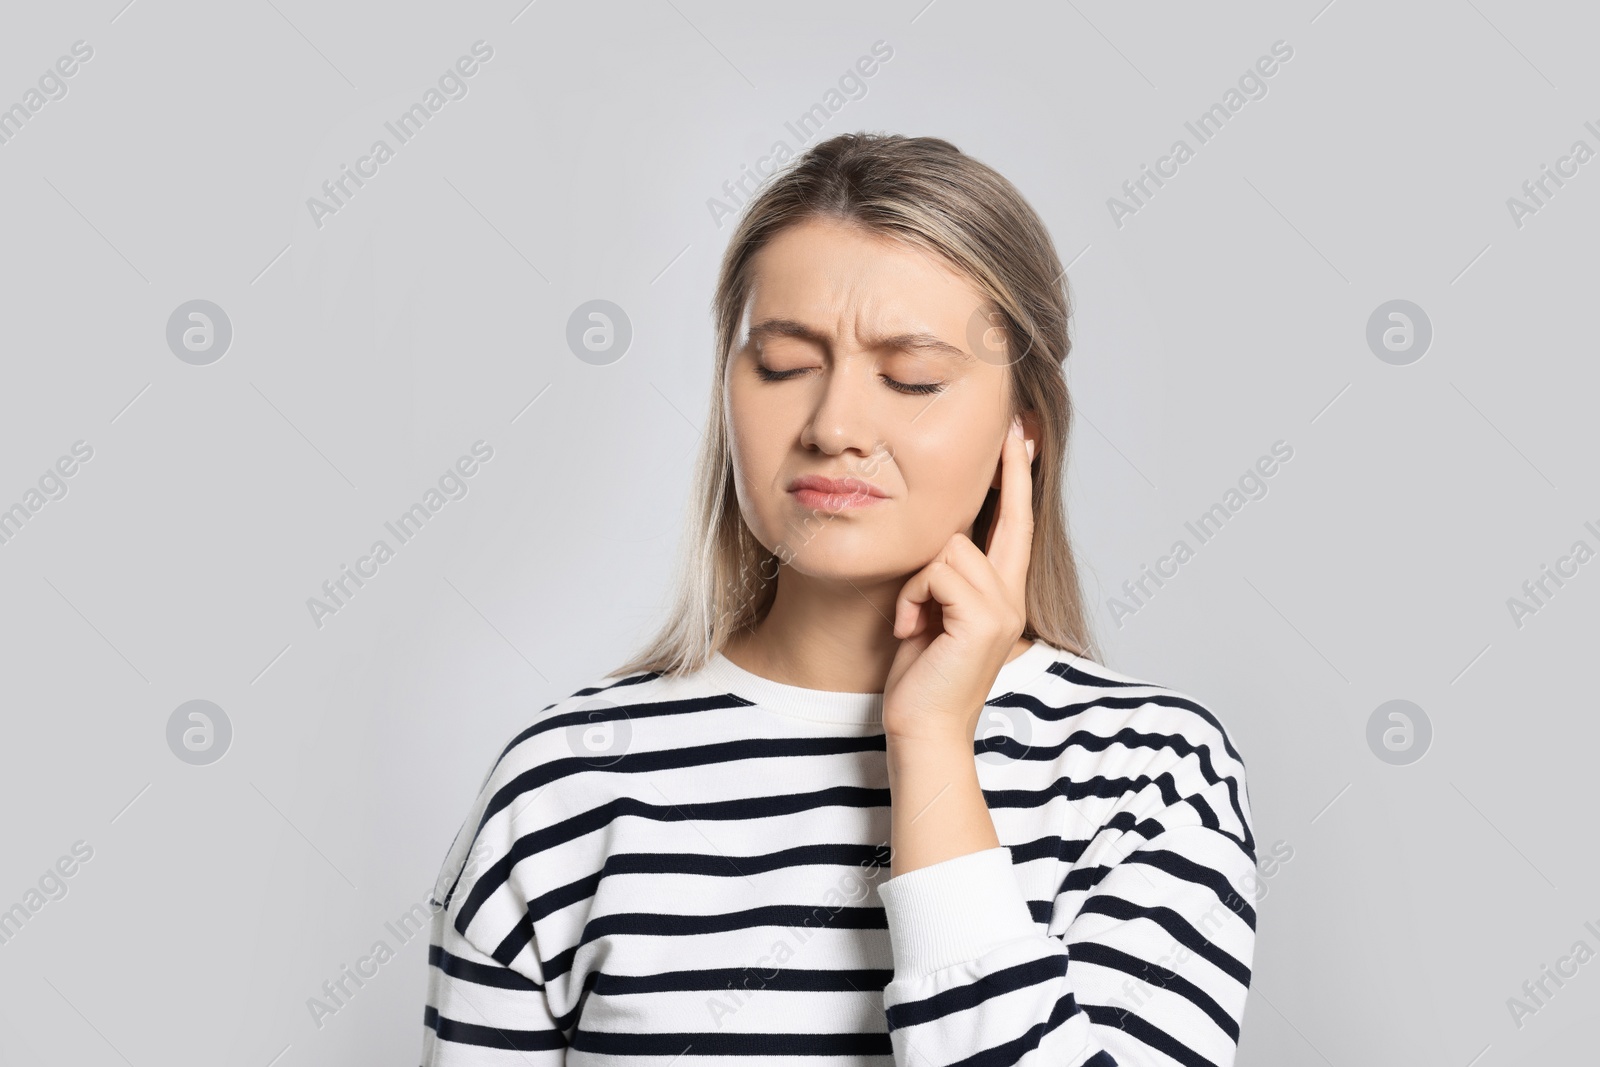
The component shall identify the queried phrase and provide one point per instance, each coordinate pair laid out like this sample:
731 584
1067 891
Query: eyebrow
919 342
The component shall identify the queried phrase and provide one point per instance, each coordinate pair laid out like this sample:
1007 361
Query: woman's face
871 342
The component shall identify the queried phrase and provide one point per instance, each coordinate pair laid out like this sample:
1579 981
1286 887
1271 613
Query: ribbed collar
826 705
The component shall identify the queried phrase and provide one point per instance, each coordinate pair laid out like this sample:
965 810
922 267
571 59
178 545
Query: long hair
926 192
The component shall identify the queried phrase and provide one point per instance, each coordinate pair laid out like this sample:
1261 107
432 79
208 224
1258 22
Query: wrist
929 749
938 811
922 765
931 736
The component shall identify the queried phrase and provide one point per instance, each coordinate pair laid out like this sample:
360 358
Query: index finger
1011 545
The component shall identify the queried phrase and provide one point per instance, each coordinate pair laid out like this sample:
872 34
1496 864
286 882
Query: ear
1030 432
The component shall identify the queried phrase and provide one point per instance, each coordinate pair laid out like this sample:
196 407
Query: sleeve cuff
953 911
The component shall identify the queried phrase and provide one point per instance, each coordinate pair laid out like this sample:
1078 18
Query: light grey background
369 353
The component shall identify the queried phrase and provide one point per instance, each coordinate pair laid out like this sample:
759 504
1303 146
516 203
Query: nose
844 418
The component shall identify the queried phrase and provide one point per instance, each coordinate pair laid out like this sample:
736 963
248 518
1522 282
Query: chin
863 558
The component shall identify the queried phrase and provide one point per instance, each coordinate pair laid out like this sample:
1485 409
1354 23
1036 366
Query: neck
827 634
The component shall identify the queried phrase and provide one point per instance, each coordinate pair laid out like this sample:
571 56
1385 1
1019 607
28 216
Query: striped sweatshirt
692 870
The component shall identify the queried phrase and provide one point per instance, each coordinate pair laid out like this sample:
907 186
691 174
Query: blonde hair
926 192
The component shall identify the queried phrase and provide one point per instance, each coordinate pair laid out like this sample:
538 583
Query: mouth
834 494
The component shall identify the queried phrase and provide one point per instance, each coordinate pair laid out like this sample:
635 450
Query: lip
834 494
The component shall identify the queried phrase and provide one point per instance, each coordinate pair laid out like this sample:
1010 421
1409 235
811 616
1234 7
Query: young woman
868 797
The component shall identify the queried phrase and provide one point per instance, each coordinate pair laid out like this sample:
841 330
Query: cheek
753 437
947 478
947 466
757 445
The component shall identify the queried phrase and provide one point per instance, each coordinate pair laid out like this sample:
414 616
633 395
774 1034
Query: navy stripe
644 710
850 857
1065 849
825 855
717 1043
658 924
1084 879
1141 1028
1172 923
1180 866
743 979
1009 1053
1078 676
1155 975
965 998
1110 789
480 973
496 874
1130 738
652 924
717 754
491 1036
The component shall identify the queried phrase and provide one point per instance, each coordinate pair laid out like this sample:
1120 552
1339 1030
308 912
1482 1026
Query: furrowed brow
783 328
921 342
912 342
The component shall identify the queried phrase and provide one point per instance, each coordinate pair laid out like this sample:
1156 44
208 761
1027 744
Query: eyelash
908 388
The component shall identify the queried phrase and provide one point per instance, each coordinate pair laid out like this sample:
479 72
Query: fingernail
1030 451
1016 427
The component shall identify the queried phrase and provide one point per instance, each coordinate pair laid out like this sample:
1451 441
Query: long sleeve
487 1003
1147 966
482 1013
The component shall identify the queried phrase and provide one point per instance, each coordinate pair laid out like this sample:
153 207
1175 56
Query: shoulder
589 728
1082 693
585 722
1169 752
555 766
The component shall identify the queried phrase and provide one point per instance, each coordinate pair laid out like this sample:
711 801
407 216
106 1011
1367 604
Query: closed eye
908 388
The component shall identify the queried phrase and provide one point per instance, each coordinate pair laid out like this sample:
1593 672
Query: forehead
840 276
